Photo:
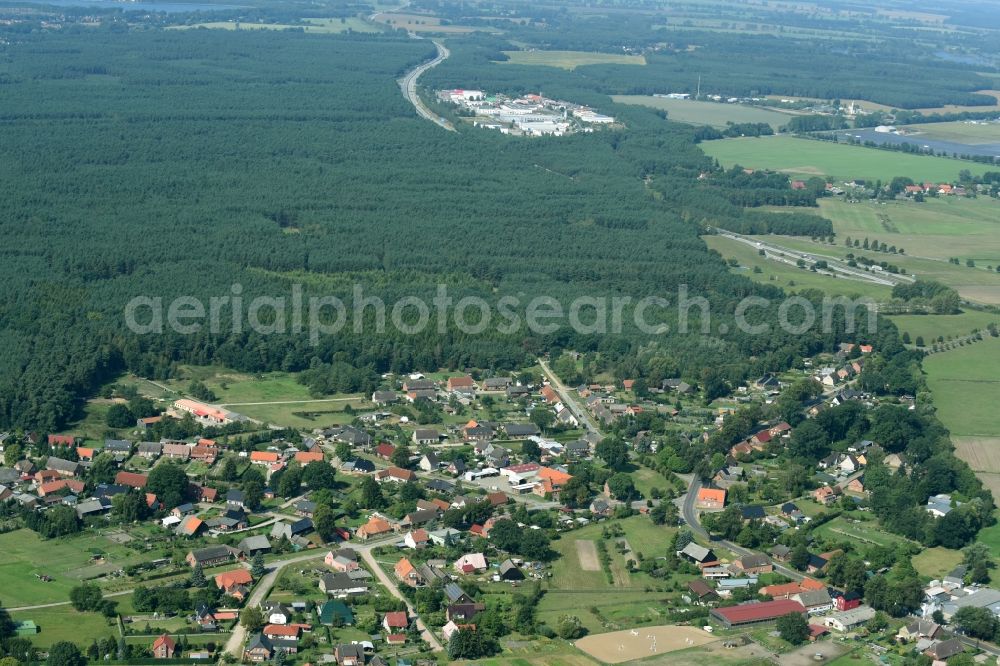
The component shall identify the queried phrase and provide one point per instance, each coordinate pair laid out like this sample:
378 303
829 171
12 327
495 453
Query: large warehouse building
747 614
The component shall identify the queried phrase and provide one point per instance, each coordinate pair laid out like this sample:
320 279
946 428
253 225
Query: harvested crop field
587 552
982 453
620 646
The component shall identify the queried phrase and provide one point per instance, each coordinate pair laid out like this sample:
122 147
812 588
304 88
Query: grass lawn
646 479
840 529
991 537
538 652
936 562
965 383
788 277
67 560
706 113
806 157
570 59
62 623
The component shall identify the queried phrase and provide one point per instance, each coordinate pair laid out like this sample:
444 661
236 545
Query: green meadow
706 113
807 157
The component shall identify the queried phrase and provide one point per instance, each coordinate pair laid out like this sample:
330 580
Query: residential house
275 612
826 495
918 629
131 479
470 563
415 539
701 592
150 450
212 556
349 655
376 526
385 450
395 475
815 601
385 397
459 383
521 430
335 612
176 450
342 585
845 601
164 647
751 564
258 649
425 436
343 560
283 530
945 650
229 579
190 526
703 557
429 462
940 506
255 544
62 467
395 622
711 498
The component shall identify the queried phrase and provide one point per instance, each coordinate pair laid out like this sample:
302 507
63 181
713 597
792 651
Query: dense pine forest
167 163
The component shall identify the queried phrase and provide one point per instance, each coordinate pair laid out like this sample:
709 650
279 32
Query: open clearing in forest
570 59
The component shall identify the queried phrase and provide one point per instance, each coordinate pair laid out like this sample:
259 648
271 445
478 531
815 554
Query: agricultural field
937 228
965 383
425 23
570 59
318 26
792 278
805 158
967 132
706 113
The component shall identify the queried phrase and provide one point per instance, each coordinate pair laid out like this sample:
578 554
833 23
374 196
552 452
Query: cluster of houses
826 607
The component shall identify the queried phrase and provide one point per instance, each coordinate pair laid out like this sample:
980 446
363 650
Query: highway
408 84
836 266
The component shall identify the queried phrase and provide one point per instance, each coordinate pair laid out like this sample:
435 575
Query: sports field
806 157
620 646
706 113
965 383
570 59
